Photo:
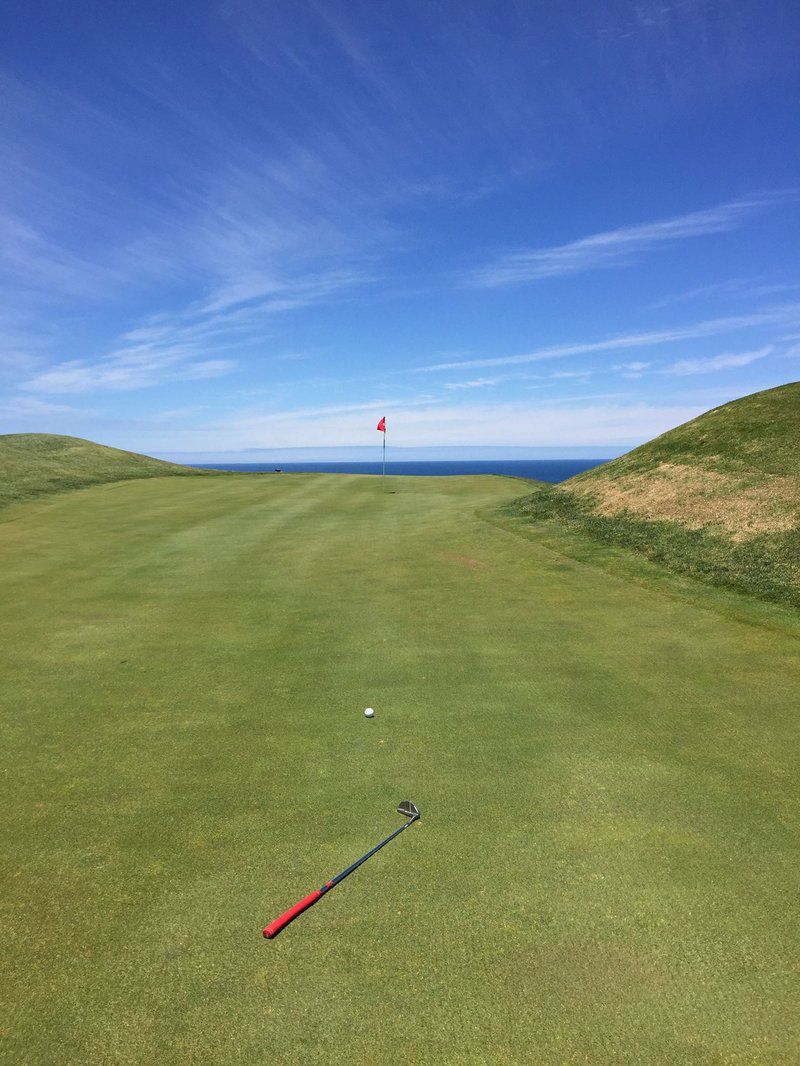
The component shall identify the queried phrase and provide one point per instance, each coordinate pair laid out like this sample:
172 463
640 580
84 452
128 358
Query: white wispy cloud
235 310
726 361
786 315
633 370
134 368
476 383
606 419
188 344
239 226
618 247
177 414
31 406
749 288
634 366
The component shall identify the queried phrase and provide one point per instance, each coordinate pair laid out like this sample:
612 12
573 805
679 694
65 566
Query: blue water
552 470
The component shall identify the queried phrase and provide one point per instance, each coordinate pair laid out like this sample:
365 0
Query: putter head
409 810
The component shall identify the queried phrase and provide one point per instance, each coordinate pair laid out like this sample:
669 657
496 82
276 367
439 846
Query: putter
407 809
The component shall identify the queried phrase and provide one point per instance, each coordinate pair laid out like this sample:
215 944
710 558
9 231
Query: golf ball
369 712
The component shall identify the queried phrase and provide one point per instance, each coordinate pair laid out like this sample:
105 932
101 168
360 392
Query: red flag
382 425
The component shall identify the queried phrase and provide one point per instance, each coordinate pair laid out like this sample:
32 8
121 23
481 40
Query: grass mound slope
717 498
35 464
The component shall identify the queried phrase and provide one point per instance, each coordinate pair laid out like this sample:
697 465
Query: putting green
606 867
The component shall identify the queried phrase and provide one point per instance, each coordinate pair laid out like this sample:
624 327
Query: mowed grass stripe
606 864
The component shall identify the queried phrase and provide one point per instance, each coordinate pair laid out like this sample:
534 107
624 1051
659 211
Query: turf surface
717 498
39 464
606 869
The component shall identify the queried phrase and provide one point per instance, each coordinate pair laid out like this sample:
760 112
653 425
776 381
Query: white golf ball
369 712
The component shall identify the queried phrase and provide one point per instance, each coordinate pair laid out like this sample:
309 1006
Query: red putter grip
289 916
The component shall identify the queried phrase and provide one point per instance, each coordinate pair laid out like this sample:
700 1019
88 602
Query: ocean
552 470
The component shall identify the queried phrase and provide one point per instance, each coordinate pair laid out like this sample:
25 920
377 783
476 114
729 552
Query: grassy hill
717 498
35 464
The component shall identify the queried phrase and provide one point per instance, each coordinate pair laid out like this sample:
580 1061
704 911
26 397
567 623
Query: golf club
406 808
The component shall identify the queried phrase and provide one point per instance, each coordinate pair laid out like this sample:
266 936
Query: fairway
606 869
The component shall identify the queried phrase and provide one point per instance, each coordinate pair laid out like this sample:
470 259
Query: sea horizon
550 470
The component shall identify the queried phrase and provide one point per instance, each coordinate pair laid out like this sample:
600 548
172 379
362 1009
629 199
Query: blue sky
237 229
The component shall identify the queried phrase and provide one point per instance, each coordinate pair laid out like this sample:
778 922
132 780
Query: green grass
766 566
606 870
758 432
38 464
717 498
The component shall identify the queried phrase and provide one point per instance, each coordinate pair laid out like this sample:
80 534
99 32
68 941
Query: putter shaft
288 916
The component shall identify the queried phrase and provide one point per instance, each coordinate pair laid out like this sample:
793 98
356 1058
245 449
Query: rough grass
606 870
38 464
717 499
762 565
756 433
695 497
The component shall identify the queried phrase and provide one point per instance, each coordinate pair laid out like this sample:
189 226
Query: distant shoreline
552 470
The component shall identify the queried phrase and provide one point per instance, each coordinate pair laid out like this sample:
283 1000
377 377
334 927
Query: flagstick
384 453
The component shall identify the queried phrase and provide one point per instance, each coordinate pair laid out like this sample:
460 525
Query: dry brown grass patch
697 497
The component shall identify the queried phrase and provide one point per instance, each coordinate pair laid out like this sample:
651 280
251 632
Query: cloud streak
581 422
780 316
178 346
133 368
741 288
476 383
618 247
32 406
726 361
